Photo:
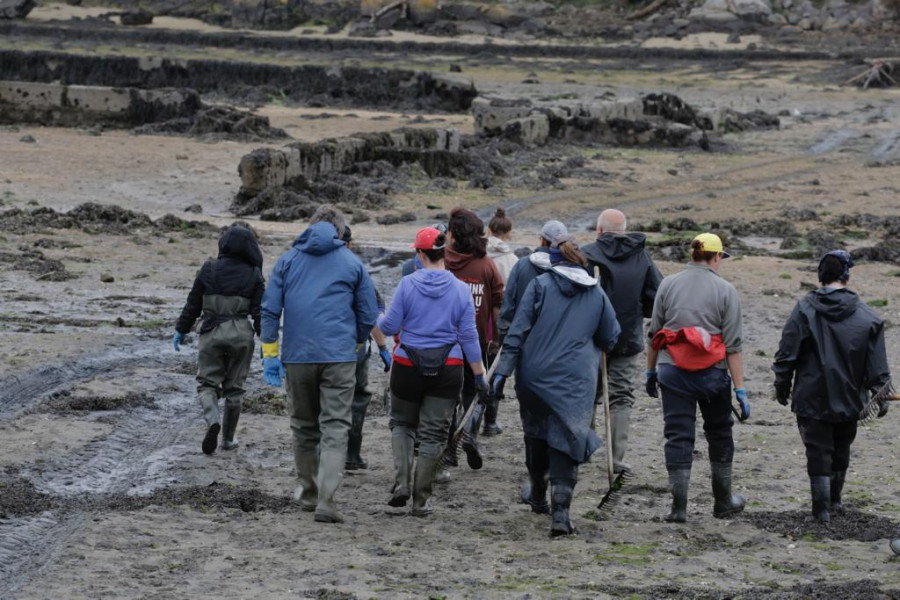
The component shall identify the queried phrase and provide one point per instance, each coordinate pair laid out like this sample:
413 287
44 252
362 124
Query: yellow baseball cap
710 242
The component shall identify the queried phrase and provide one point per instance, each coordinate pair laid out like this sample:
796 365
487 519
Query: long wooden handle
609 448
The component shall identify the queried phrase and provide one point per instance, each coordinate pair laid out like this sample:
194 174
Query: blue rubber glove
741 395
481 384
385 355
497 384
273 371
176 340
652 386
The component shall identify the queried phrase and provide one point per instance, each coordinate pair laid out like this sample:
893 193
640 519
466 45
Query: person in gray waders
832 354
226 292
361 394
562 325
327 300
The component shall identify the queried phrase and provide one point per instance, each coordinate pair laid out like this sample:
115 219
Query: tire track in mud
119 463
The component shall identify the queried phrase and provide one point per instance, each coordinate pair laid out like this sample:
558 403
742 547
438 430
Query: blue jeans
682 392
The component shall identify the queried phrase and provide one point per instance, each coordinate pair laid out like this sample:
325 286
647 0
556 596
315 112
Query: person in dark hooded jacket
630 280
831 353
225 293
562 325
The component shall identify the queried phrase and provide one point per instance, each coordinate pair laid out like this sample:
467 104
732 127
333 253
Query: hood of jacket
433 283
318 239
456 261
497 247
618 246
240 243
540 258
572 279
834 304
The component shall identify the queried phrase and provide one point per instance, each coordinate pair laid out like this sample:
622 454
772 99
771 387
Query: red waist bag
691 348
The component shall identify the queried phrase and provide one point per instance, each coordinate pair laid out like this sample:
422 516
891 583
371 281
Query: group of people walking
466 302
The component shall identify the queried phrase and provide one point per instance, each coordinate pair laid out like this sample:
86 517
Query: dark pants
421 406
682 392
827 445
361 394
541 458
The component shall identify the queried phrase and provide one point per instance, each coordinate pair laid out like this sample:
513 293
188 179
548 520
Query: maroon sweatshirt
485 283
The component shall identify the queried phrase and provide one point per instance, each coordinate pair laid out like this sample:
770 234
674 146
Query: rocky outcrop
15 9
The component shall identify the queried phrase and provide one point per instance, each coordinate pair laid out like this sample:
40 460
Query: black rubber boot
229 426
211 439
534 493
355 461
725 504
560 501
820 487
679 482
470 438
837 488
491 426
536 498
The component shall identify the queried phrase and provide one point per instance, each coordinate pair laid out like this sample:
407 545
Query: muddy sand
104 491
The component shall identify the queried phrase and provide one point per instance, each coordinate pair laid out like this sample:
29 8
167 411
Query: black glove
783 393
652 383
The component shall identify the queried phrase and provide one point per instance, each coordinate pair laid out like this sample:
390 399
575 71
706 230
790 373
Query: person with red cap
433 313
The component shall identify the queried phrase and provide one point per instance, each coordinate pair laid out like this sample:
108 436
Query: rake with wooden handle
878 403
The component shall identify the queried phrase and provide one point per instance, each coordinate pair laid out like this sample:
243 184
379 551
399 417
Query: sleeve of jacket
391 322
732 323
608 328
651 284
526 315
193 306
877 371
256 301
508 307
658 316
364 305
273 304
792 337
379 301
467 330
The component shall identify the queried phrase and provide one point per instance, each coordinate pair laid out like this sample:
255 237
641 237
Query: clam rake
878 403
616 481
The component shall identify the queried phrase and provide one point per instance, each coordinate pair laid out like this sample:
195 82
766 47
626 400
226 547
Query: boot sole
422 512
355 466
230 446
473 457
327 518
671 519
560 531
728 513
211 439
399 500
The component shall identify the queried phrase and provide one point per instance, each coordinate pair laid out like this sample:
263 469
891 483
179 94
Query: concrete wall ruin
347 86
79 105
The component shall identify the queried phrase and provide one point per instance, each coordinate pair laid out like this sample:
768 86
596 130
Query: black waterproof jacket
832 347
236 272
630 280
523 272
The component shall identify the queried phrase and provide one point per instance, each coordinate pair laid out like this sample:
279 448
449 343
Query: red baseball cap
425 239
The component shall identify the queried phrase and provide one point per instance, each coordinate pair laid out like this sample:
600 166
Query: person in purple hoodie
434 311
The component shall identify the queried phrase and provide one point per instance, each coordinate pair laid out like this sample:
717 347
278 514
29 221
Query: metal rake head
614 494
878 404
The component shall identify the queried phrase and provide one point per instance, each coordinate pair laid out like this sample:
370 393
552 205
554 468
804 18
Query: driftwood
883 72
647 10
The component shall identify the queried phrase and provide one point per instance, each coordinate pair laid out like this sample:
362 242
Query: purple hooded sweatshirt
433 308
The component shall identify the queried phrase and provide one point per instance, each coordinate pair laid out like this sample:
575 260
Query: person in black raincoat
226 292
831 354
563 323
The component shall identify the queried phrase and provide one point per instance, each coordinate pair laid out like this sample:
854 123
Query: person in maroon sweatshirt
466 257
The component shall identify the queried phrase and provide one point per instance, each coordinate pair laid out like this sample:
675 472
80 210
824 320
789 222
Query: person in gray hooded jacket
563 323
832 353
630 279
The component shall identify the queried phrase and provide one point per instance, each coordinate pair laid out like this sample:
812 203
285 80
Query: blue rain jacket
327 298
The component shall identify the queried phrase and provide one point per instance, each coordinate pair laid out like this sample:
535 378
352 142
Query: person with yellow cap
694 358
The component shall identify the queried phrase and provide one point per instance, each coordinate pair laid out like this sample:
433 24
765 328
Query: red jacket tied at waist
691 348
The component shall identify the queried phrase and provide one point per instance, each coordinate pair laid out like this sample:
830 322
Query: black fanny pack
428 361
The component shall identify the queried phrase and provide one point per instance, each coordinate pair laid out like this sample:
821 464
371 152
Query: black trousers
543 461
682 392
827 445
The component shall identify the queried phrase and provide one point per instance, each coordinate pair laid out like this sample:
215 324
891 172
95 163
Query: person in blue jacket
554 343
433 313
328 302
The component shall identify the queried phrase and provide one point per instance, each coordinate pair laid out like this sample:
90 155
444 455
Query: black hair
437 254
468 232
831 269
500 223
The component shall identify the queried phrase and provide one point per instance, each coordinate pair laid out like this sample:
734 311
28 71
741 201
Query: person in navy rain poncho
562 324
